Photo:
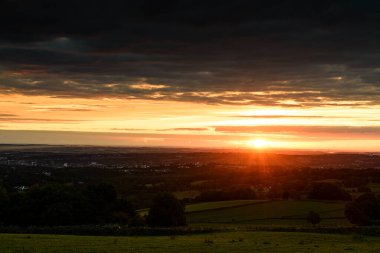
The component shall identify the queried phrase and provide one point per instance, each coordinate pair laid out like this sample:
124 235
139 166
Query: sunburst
258 143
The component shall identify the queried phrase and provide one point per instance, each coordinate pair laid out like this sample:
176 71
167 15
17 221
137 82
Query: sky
270 74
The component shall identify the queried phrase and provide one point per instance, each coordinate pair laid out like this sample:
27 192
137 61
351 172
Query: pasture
243 213
268 213
238 241
206 206
276 213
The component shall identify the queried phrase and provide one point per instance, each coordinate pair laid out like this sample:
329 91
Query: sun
258 143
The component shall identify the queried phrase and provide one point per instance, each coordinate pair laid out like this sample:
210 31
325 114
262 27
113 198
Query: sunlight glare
258 143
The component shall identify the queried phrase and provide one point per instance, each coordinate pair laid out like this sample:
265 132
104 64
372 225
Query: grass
217 242
274 213
186 194
375 188
206 206
262 213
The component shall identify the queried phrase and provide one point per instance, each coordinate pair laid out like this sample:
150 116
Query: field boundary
229 207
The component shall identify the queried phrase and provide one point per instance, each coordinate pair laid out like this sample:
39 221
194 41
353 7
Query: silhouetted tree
363 210
4 202
53 205
125 213
285 195
328 191
102 199
166 211
49 205
313 218
364 189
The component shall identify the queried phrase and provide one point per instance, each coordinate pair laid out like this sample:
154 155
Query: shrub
364 210
166 211
57 205
328 191
313 218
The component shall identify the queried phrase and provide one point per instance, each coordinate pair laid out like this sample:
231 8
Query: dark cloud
282 53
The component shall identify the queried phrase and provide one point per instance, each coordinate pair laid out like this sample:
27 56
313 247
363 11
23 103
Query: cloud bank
278 53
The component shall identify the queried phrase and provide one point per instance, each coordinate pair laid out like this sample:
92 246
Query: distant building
22 188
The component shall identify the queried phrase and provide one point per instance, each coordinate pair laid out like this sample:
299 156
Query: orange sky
111 121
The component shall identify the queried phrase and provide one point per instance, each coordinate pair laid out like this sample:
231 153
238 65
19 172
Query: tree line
63 205
57 204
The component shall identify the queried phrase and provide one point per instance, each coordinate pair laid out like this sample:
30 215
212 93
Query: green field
263 213
206 206
186 194
375 188
273 213
216 242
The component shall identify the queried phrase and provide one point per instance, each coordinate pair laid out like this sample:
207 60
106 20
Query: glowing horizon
117 121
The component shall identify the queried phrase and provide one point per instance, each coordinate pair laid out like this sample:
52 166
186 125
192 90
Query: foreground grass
217 242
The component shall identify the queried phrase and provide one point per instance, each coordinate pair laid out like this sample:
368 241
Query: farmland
216 242
273 213
208 206
263 213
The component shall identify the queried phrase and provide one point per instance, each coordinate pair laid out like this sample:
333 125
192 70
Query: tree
166 211
102 199
363 210
56 205
286 195
328 191
364 189
124 213
4 199
313 218
49 205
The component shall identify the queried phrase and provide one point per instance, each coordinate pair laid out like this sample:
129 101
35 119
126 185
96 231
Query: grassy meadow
216 242
207 206
268 213
242 213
